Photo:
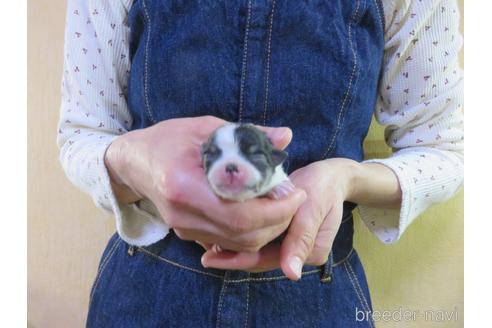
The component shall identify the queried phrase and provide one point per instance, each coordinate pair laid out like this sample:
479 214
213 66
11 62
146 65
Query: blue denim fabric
164 285
312 65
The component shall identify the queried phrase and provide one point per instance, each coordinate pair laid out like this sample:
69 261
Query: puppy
241 163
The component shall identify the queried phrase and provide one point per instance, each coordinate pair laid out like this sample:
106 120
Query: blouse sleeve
420 105
94 110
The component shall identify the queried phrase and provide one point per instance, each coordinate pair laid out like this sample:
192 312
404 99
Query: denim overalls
312 65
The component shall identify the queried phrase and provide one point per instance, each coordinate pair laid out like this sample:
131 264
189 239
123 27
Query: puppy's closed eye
241 163
211 150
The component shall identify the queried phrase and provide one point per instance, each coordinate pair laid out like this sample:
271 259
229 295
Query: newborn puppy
241 163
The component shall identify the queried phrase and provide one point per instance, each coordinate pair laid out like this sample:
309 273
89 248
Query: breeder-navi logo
401 314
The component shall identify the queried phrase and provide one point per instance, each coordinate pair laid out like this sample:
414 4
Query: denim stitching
146 73
282 277
244 67
355 288
356 279
349 88
230 281
247 304
143 250
221 301
380 10
267 73
103 267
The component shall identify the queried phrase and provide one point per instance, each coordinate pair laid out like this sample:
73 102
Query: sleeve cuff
426 177
388 224
137 224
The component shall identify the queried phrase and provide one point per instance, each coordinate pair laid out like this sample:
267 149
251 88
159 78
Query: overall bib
312 65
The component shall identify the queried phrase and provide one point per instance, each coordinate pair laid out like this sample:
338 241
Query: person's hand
311 233
163 163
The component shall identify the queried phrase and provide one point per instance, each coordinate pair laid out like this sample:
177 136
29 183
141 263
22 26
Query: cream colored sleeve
94 110
420 105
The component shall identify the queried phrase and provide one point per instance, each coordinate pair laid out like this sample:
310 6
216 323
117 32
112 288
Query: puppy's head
239 160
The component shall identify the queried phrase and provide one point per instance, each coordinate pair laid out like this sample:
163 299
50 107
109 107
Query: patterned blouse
420 106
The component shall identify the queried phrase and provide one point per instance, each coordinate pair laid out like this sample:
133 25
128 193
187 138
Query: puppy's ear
278 157
204 147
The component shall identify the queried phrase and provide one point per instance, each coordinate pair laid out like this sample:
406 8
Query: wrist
353 172
374 184
346 175
116 165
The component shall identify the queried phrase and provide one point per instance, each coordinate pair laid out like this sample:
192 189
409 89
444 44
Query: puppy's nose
231 168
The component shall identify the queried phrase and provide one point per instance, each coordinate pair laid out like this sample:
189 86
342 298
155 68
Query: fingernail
290 184
203 262
295 264
290 187
281 192
274 194
279 133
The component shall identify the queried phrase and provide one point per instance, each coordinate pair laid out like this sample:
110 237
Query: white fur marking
224 139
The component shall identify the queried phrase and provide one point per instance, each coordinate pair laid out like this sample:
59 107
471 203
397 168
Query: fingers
207 240
238 217
262 212
280 137
201 215
191 189
281 190
299 241
268 258
207 124
205 246
191 226
253 241
326 236
207 235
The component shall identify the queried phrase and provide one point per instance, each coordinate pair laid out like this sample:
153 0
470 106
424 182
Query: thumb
280 137
299 241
